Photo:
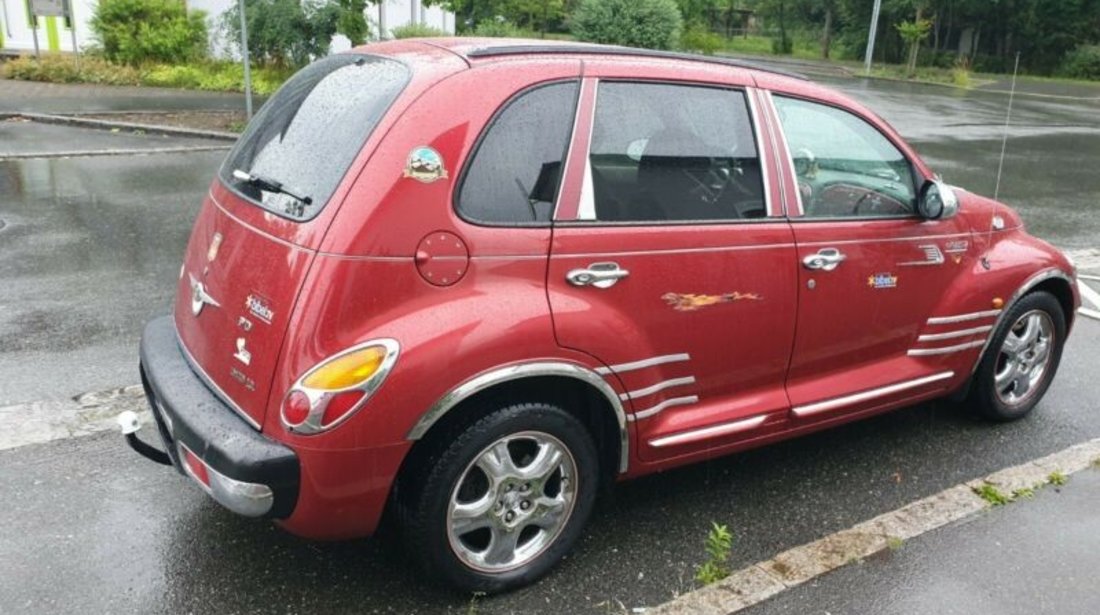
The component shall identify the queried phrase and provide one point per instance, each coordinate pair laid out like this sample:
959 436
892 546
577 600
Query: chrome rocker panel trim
847 400
528 370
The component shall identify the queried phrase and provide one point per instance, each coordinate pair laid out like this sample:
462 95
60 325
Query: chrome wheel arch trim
1025 288
521 371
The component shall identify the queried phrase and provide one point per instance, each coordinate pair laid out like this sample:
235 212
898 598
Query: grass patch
991 494
762 46
1057 479
894 543
1024 492
210 76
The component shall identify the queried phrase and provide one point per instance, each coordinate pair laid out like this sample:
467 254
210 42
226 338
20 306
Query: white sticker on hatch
258 307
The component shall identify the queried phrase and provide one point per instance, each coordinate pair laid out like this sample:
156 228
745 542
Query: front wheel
1022 359
502 502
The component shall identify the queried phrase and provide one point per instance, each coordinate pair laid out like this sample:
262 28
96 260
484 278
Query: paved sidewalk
1029 557
62 98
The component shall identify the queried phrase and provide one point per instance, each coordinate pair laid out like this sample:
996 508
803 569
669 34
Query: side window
672 152
513 176
845 167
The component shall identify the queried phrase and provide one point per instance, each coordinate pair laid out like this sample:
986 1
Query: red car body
719 341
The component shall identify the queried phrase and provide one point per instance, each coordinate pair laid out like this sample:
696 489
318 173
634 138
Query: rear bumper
244 470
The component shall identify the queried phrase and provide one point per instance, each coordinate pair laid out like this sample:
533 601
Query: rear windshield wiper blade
269 185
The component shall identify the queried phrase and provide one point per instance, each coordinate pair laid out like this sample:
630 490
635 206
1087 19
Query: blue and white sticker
882 280
425 165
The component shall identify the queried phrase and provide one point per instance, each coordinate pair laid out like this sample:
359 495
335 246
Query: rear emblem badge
199 297
425 165
259 308
242 354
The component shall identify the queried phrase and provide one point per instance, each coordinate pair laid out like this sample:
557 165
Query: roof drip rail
614 50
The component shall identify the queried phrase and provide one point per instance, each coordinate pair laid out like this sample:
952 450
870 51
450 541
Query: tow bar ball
130 424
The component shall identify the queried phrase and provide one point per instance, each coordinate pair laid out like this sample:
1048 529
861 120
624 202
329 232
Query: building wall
54 33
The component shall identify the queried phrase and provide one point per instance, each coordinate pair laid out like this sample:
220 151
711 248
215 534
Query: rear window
306 136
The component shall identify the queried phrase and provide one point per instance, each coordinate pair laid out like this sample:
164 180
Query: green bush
284 32
139 31
699 39
1082 63
416 30
56 68
653 24
217 77
500 28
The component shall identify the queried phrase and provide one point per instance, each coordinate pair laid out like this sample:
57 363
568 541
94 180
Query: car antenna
1004 137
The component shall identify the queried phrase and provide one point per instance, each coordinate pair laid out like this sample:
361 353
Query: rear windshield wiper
269 185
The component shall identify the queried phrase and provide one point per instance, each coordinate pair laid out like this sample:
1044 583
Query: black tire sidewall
984 394
427 528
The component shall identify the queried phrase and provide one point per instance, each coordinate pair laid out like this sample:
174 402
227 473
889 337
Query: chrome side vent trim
668 403
660 386
924 352
644 363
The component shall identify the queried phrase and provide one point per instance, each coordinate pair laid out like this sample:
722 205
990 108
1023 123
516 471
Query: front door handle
600 275
826 259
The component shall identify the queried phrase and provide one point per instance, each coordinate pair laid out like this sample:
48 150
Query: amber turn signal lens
348 370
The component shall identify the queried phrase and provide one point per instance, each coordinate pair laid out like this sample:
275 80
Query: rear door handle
826 259
600 275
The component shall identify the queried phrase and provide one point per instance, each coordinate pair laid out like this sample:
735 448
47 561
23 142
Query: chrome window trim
668 403
712 431
846 400
947 320
771 246
765 168
1030 283
924 352
953 334
644 363
527 370
789 157
660 386
210 384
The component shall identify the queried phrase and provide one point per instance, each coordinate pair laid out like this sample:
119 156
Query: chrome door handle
826 259
600 275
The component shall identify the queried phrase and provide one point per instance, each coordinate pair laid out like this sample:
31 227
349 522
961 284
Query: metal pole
34 31
871 38
72 31
247 68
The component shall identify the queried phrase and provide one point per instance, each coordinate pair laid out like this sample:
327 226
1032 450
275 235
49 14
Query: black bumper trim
207 426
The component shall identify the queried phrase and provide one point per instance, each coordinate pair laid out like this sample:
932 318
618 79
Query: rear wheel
502 502
1022 359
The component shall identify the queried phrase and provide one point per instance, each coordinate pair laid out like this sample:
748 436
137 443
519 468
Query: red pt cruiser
470 281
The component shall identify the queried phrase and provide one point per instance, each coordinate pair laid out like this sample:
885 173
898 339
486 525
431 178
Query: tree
352 23
654 24
913 32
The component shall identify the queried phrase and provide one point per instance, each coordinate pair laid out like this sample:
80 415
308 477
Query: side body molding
528 370
1024 288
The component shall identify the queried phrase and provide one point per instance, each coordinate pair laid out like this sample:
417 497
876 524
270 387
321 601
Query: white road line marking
1089 295
793 567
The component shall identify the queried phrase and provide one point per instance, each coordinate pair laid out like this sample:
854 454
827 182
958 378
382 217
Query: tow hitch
130 425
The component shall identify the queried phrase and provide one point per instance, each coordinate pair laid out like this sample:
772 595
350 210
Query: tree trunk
827 35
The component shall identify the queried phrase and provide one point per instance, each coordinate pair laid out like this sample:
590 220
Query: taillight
334 389
195 466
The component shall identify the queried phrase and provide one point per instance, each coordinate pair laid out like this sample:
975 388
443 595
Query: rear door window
513 176
307 135
664 152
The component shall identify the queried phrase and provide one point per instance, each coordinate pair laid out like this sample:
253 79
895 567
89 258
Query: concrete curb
793 567
159 129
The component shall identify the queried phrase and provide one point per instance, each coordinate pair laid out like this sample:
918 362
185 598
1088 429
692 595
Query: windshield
303 139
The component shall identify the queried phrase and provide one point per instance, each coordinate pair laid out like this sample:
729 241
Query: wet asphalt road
99 529
90 248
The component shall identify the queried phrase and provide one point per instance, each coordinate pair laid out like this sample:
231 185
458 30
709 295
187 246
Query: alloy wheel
1024 358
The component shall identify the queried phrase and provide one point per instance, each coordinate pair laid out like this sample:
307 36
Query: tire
1004 389
494 529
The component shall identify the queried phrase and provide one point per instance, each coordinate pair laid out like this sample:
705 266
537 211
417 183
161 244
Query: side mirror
937 201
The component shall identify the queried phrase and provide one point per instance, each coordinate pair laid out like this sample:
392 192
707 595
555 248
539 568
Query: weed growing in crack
1057 479
991 494
718 547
